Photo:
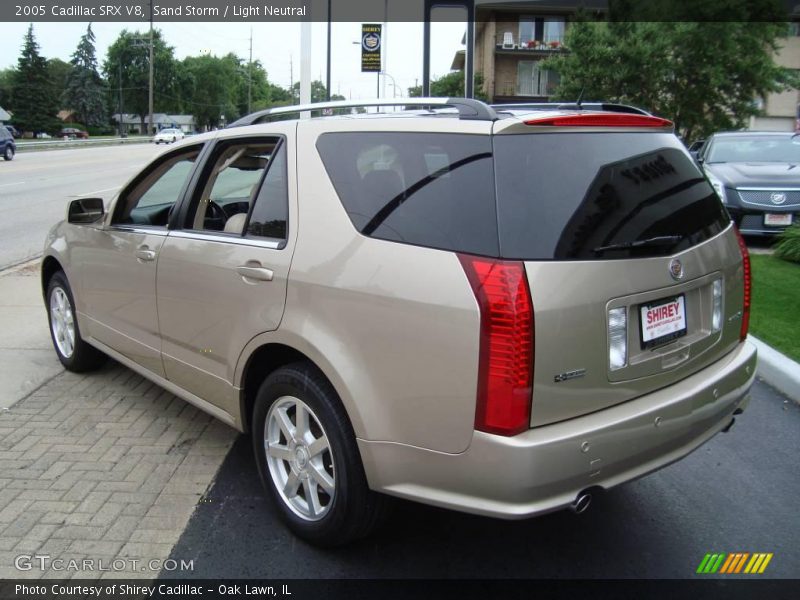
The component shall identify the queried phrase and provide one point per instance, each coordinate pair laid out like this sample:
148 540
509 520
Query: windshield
751 148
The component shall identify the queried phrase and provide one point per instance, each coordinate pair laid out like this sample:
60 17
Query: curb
777 369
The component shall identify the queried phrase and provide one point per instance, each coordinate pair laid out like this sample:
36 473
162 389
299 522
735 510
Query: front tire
74 353
308 459
9 153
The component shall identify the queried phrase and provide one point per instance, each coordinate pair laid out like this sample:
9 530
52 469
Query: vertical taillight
748 284
505 364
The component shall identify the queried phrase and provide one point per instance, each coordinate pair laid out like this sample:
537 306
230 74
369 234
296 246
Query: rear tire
308 460
75 354
9 153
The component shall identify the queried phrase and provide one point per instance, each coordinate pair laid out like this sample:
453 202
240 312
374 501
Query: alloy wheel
299 458
62 322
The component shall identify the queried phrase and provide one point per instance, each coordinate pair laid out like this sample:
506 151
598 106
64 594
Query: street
735 494
36 186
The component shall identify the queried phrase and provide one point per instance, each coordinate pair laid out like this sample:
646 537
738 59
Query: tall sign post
371 42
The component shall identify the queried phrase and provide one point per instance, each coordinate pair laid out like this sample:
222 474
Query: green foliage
84 91
206 88
788 245
704 75
6 78
33 103
450 86
319 93
775 285
127 62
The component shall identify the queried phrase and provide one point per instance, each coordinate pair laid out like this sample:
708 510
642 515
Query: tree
704 68
84 92
6 86
319 93
128 57
208 88
34 105
450 86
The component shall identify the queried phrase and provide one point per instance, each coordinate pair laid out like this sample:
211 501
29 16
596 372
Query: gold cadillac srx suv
491 310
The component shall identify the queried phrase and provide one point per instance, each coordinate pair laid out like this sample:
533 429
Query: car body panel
208 312
544 469
571 300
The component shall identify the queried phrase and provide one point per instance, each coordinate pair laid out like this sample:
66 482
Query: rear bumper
544 469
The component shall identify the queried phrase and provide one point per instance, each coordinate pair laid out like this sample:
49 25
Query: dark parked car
757 175
73 133
16 133
7 146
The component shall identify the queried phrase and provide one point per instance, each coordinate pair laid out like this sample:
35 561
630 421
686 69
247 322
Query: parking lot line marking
8 184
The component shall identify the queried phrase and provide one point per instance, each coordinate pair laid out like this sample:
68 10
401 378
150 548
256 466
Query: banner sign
371 47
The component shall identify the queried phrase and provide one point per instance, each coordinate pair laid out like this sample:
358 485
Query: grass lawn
776 297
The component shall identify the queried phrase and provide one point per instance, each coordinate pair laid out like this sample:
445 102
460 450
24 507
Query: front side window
229 185
426 189
152 196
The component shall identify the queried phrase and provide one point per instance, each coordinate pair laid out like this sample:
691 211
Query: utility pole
150 87
250 75
120 95
328 68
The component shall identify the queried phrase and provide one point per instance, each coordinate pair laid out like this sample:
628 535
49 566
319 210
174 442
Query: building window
532 80
541 29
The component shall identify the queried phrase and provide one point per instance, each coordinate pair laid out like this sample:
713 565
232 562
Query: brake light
602 120
748 284
505 363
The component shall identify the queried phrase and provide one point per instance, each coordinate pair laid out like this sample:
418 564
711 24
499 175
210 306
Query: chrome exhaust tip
581 503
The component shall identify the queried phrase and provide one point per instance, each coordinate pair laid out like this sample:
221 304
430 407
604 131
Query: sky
276 45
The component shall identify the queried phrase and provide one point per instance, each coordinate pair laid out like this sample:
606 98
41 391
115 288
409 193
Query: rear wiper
661 240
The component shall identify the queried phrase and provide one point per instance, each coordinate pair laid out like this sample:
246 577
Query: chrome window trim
159 230
227 239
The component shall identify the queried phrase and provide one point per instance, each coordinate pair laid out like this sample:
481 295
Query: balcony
509 41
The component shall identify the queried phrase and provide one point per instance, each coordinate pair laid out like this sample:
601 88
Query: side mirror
85 210
696 156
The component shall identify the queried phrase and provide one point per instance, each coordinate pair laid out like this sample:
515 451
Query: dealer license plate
776 219
663 321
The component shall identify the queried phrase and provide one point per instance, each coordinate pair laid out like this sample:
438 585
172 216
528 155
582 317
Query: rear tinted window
434 190
570 196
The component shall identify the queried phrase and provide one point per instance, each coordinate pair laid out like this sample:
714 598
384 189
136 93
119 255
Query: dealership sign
371 48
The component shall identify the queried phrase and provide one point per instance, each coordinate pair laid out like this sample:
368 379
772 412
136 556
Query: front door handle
145 254
257 273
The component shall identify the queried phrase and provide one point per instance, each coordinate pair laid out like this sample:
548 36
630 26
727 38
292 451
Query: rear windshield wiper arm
661 240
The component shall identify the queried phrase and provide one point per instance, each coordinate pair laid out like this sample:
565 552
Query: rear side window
433 190
600 196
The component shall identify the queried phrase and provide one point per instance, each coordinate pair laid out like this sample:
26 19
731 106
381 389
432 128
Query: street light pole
150 86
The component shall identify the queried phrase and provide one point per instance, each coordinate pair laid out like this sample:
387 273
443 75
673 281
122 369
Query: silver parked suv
492 310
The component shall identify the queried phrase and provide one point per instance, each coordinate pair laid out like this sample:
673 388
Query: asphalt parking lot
735 494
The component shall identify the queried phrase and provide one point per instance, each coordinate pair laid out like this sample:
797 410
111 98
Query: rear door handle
144 254
258 273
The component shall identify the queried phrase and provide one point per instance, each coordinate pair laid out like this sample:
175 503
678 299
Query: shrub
788 244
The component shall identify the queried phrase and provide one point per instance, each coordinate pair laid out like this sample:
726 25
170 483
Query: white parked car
168 136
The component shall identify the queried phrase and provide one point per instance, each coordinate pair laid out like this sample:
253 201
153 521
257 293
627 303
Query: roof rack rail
468 108
606 106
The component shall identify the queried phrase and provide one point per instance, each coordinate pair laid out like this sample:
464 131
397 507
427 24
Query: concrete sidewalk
103 466
27 359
